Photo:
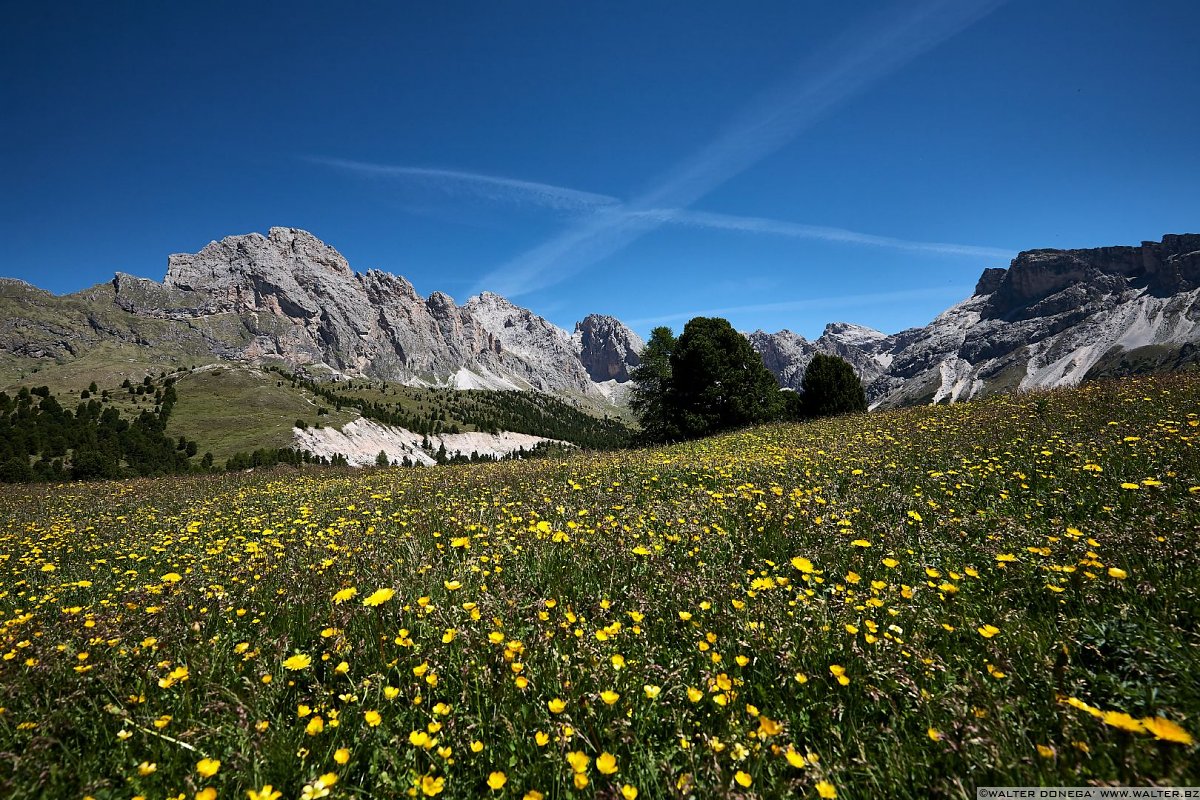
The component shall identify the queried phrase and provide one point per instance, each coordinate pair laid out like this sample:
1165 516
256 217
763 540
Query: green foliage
831 387
42 441
273 456
718 381
792 404
1001 592
651 378
433 411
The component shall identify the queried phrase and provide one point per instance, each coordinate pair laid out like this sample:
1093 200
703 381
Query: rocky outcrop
1053 318
863 347
607 349
287 296
785 354
301 302
542 356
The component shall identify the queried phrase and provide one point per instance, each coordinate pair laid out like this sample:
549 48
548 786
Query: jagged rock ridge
607 348
1053 318
295 298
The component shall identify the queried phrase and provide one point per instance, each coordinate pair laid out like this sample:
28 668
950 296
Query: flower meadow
901 604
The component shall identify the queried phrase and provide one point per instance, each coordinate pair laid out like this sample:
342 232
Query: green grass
84 337
227 410
740 575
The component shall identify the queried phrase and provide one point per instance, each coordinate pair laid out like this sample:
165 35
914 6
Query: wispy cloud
846 67
609 210
489 187
732 222
808 304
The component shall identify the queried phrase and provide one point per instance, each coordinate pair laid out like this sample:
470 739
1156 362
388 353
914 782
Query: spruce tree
718 381
651 379
831 387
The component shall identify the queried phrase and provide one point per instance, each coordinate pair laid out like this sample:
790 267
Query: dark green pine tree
718 381
831 387
651 379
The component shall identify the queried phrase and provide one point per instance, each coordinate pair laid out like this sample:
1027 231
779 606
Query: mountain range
1053 317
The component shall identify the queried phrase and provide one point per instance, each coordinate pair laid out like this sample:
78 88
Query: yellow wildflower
297 662
379 597
1165 729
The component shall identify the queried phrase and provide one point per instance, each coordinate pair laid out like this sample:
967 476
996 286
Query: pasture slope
901 604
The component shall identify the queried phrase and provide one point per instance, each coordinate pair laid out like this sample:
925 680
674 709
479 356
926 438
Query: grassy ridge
904 604
230 410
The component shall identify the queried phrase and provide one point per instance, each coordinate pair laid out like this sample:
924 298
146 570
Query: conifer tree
718 381
831 387
651 379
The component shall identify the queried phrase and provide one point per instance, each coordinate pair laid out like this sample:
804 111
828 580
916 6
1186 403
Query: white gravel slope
361 440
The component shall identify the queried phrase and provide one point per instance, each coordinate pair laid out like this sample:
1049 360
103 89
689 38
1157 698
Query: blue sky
781 164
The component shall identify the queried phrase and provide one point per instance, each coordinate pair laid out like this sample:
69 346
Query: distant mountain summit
289 296
1054 317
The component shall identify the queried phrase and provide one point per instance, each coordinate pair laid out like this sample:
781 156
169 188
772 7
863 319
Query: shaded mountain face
607 348
289 296
1053 318
787 354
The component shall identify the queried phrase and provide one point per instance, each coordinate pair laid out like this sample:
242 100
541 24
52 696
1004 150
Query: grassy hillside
58 341
228 408
224 410
235 409
906 604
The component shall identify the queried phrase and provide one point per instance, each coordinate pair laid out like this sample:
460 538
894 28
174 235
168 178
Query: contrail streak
733 222
522 191
488 186
845 68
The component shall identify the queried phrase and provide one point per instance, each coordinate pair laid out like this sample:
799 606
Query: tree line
42 441
710 379
484 410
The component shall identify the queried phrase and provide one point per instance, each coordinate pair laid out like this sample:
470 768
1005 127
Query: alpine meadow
901 604
600 401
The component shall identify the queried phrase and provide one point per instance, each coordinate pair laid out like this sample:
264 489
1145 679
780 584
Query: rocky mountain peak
786 354
989 281
441 304
384 286
490 300
850 333
298 299
309 251
1167 267
289 272
607 348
